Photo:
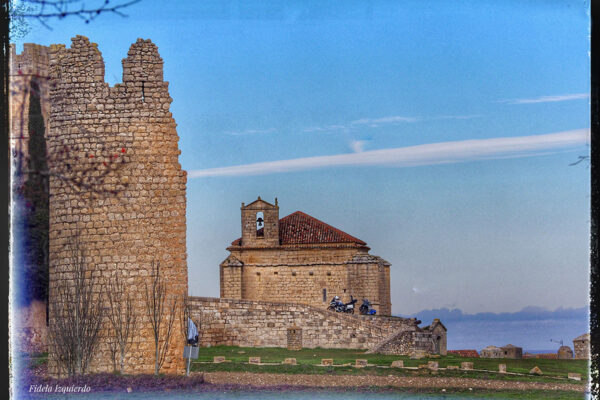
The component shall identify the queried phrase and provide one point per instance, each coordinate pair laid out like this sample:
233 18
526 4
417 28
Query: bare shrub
161 312
76 313
122 317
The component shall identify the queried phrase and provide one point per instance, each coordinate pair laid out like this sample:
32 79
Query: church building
300 259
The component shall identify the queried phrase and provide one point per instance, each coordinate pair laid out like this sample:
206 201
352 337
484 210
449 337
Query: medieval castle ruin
118 192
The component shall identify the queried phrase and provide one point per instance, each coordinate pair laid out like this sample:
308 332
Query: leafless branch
76 313
45 10
121 315
161 314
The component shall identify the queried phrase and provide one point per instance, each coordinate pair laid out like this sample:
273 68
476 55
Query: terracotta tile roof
465 353
301 228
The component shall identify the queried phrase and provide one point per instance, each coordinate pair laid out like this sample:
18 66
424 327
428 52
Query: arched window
260 224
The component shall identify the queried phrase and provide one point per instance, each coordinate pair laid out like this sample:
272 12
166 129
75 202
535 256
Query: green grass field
308 359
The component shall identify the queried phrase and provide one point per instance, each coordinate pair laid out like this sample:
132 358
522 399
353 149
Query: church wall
300 273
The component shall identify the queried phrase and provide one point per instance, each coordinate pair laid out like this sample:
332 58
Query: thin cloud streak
425 154
549 99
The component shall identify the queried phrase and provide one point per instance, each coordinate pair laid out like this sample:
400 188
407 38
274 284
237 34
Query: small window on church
293 273
275 273
311 273
325 295
260 224
328 273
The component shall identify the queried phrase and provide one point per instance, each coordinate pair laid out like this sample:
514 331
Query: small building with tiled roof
301 259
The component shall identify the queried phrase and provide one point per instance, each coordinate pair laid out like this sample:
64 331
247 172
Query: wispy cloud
249 132
425 154
358 146
549 99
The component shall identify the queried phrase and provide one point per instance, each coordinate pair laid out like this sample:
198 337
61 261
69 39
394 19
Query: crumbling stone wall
136 216
32 63
581 345
266 324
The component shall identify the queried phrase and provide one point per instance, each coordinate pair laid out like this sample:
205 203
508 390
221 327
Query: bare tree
161 312
122 316
46 10
77 313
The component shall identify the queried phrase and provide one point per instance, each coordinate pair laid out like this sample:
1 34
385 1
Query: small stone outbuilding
508 351
581 344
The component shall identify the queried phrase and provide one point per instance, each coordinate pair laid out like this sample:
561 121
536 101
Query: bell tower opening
260 224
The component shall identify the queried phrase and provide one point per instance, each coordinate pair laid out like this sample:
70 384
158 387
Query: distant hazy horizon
531 328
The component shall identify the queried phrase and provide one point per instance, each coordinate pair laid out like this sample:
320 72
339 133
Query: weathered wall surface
307 274
143 221
32 63
582 348
265 324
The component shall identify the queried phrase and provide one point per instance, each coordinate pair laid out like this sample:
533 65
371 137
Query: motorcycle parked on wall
349 307
335 304
366 308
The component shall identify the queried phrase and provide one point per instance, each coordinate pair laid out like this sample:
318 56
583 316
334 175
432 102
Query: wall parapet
248 323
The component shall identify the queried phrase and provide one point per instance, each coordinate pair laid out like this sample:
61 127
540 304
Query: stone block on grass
433 365
502 368
254 360
290 361
398 364
466 365
327 361
536 371
218 359
574 376
452 367
360 363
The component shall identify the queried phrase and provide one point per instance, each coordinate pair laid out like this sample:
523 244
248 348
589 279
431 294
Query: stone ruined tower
31 64
134 217
257 233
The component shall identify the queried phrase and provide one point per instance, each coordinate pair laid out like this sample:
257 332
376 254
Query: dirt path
267 380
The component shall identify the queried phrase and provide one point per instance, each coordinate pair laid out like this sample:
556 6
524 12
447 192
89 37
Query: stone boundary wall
247 323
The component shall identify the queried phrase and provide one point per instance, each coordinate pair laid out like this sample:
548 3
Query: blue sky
452 124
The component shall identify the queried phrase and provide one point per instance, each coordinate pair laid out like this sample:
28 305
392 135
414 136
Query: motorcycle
366 308
349 307
335 304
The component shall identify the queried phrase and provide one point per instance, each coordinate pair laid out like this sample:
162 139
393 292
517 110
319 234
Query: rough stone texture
327 361
259 267
32 63
398 364
290 361
294 338
536 371
254 360
247 323
581 345
502 368
466 365
145 221
361 362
